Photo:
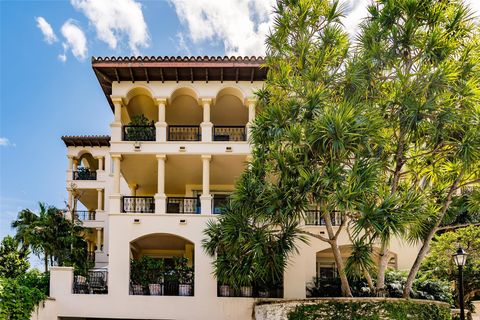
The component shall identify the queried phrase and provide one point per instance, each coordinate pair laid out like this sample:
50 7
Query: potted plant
137 276
185 277
155 270
140 129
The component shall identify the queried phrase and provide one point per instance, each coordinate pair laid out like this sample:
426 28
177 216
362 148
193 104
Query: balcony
138 204
184 133
139 133
229 133
183 205
94 282
84 215
84 174
314 218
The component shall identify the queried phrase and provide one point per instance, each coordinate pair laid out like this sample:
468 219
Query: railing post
161 125
206 198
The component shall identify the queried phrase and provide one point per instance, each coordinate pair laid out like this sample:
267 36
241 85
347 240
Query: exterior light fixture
460 258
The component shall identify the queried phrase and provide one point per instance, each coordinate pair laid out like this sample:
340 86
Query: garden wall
352 309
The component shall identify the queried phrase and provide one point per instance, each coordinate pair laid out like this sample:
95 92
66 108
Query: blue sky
48 89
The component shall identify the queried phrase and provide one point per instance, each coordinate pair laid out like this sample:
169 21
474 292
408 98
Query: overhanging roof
86 141
176 69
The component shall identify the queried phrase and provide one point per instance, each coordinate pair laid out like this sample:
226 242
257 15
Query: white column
70 199
75 164
250 104
206 125
99 239
116 125
70 168
161 125
116 196
100 163
160 197
206 197
99 199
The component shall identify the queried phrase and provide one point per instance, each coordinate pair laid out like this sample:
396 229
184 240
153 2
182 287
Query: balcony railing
253 291
184 133
91 256
314 218
183 205
84 174
84 215
139 133
94 282
218 202
229 133
138 204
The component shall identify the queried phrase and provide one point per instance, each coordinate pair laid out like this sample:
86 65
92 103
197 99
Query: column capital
206 157
161 157
250 100
206 100
98 157
160 100
99 189
117 99
71 157
117 156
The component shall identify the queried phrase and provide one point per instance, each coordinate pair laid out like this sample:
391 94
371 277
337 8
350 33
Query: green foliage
51 236
424 288
141 129
19 296
184 272
370 310
13 260
439 265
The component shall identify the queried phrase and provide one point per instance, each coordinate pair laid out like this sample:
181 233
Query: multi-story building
179 140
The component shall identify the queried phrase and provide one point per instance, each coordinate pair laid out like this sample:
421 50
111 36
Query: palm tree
23 226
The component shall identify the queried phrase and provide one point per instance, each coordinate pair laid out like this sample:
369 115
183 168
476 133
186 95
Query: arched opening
229 115
162 264
184 115
87 167
139 115
327 283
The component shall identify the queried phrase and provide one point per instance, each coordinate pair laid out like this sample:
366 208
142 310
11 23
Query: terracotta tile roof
180 59
86 141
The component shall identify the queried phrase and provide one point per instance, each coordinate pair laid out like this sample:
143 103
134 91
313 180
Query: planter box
184 289
224 291
156 289
246 291
137 289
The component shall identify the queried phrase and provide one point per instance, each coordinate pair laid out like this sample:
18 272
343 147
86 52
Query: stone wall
351 308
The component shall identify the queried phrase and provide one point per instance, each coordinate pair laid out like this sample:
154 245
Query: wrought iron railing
94 282
183 205
218 202
314 218
184 133
138 204
251 291
84 215
166 288
139 133
229 133
84 174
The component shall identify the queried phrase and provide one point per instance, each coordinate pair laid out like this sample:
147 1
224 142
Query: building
179 140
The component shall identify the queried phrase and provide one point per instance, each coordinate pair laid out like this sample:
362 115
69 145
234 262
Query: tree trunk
382 267
346 292
367 276
45 260
426 243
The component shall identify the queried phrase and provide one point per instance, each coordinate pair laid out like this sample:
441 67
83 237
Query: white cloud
355 11
114 20
75 40
48 34
475 6
242 25
4 142
182 44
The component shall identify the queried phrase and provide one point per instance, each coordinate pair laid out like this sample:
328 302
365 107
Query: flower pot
224 290
263 294
184 289
156 289
246 291
137 289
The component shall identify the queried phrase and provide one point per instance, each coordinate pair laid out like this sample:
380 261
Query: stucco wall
46 310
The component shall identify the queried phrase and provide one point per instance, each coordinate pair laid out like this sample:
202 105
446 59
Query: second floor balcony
139 133
84 174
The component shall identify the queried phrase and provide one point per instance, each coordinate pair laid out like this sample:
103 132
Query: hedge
387 309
